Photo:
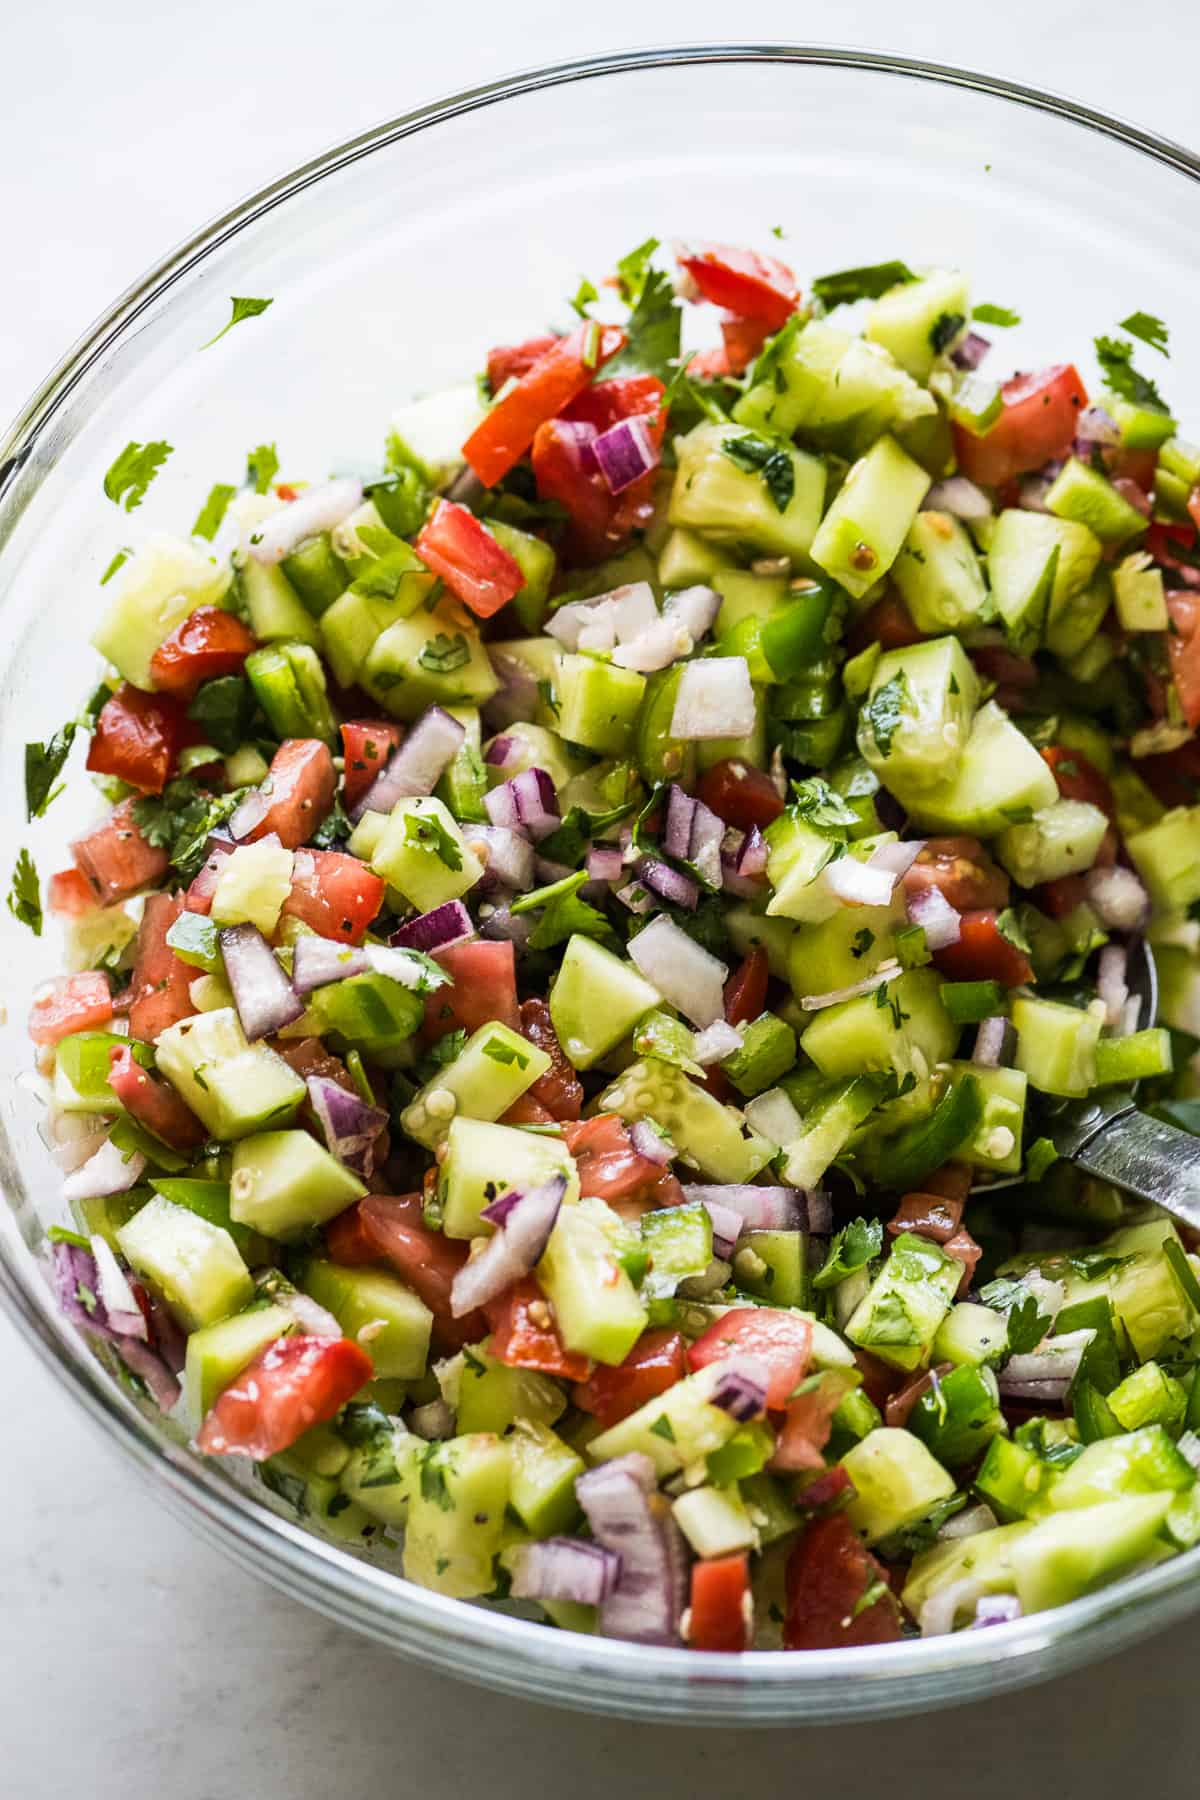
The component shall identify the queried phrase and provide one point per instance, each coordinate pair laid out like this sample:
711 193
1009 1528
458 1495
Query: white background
133 1660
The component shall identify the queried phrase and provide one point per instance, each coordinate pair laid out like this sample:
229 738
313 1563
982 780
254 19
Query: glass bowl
394 260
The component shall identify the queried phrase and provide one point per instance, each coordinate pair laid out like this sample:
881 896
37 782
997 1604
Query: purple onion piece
449 923
506 853
727 1227
995 1609
517 696
528 803
740 1387
250 814
153 1370
624 453
502 925
995 1043
628 1518
767 1208
941 922
668 883
512 1250
262 993
565 1569
647 1143
677 827
752 856
970 352
318 961
348 1124
413 771
502 750
746 887
605 863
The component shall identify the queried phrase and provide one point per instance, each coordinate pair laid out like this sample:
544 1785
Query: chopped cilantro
426 832
634 271
433 1481
500 1052
987 314
867 283
119 560
443 654
242 309
872 1594
1011 930
1040 1156
43 765
821 806
25 894
652 331
862 942
213 511
333 830
1150 330
1027 1325
1115 357
180 819
890 1323
852 1249
885 709
262 466
944 330
133 471
545 690
584 294
663 1428
772 461
224 708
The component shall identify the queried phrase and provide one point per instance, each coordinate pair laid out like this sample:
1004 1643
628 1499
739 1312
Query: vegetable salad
594 923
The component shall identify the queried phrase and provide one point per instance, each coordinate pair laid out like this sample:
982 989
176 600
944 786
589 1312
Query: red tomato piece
334 893
347 1240
983 953
746 989
300 788
782 1339
1058 898
70 1003
710 365
609 1166
115 858
508 362
366 746
295 1383
1183 650
927 1215
606 403
1174 776
559 1090
160 980
69 894
468 558
963 871
743 339
888 624
807 1424
564 470
740 794
655 1364
525 1336
525 1110
208 643
153 1103
138 738
1037 423
963 1248
426 1259
720 1615
743 282
568 366
829 1575
1012 673
1134 465
1079 779
484 992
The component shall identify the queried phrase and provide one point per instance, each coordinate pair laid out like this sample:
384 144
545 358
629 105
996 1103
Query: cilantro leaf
213 511
653 329
867 283
885 710
944 330
426 832
565 914
1040 1156
123 555
584 294
821 806
43 765
443 654
634 272
262 466
1150 330
242 309
1012 931
500 1052
224 708
771 461
890 1322
1027 1325
987 314
133 471
25 894
180 819
569 842
852 1248
1115 357
862 942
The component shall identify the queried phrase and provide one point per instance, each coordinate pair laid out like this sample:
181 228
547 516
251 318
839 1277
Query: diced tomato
525 1336
606 403
69 894
610 1168
782 1339
292 1385
1078 779
719 1617
508 362
823 1489
928 1215
1133 465
470 561
888 624
1037 422
70 1003
1058 898
829 1575
743 339
740 794
963 872
507 431
710 365
951 1182
347 1240
1014 674
1183 650
525 1110
426 1259
963 1248
153 1103
879 1379
746 989
138 738
559 1090
484 991
655 1364
334 893
366 746
808 1422
208 643
300 788
1173 777
743 282
983 953
565 471
160 980
901 1402
116 860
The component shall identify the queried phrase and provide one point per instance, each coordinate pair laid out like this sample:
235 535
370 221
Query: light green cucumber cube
1056 1045
483 1161
918 320
596 1000
1082 493
1057 1560
716 493
488 1395
796 855
389 589
544 1472
676 1430
233 1087
456 1515
422 854
896 1482
1061 839
596 1306
253 884
715 1522
687 560
910 1033
919 714
157 588
971 1334
196 1266
996 1141
284 1183
429 659
1167 857
835 386
217 1354
1139 595
274 608
704 1131
494 1067
428 434
1036 566
938 574
1000 772
900 1315
397 1322
598 704
871 515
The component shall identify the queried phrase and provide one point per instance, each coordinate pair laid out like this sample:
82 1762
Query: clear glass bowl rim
758 1687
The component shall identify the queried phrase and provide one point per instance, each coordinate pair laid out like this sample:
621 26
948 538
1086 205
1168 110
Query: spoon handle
1157 1162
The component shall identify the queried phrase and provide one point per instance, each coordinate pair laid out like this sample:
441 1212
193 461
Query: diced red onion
714 699
647 1142
682 970
887 971
513 1248
995 1609
859 883
670 884
1134 493
624 453
995 1043
528 802
105 1172
1111 985
204 885
167 1335
958 497
501 925
565 1569
1095 426
941 922
605 863
716 1042
740 1387
349 1125
516 698
640 899
548 871
970 351
677 827
972 1519
262 993
124 1314
318 961
74 1271
752 857
319 509
249 815
414 769
501 751
1055 1363
745 887
1118 898
615 618
628 1517
727 1226
897 858
434 1422
145 1362
506 853
449 923
766 1208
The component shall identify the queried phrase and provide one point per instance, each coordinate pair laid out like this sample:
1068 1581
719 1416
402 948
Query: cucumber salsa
565 1008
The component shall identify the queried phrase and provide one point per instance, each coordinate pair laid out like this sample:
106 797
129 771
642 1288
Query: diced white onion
682 970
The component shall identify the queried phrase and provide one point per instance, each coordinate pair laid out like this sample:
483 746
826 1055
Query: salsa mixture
595 919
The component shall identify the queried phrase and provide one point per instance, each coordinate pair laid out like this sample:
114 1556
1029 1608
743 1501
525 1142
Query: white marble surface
134 1660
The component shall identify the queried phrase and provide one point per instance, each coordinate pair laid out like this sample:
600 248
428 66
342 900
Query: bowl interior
393 264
